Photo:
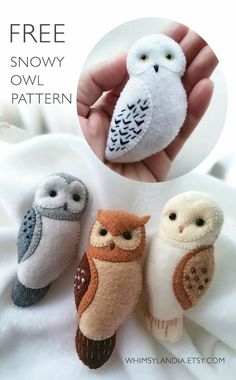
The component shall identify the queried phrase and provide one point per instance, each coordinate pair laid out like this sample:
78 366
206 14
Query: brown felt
92 287
198 274
117 221
81 286
188 268
94 353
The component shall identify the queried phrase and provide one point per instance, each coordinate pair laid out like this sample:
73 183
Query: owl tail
23 296
94 353
170 330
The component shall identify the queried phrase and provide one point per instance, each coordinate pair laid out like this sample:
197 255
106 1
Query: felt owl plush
108 282
49 236
152 107
180 265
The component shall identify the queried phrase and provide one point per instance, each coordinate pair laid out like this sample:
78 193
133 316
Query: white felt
165 97
38 342
160 265
56 249
172 241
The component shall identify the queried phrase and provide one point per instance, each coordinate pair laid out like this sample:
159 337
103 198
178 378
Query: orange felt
118 221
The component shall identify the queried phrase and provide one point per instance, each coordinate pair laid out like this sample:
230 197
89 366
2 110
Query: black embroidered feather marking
129 124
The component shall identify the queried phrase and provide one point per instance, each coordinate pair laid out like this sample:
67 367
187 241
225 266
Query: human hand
99 90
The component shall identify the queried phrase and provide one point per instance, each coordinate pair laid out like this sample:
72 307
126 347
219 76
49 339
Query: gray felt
68 177
23 296
29 234
60 213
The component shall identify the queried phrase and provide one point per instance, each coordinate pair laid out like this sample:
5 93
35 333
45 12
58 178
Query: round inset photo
152 99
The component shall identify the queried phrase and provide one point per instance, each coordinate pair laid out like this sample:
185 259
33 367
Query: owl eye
169 57
144 58
52 193
200 222
127 235
76 197
172 216
103 232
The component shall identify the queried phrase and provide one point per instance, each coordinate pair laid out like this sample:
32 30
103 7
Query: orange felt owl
108 282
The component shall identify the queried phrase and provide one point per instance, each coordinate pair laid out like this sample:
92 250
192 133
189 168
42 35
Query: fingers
201 67
176 31
95 131
159 165
108 101
201 61
192 44
198 103
100 78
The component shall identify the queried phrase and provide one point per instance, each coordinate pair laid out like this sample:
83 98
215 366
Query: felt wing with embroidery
130 119
28 240
193 276
81 284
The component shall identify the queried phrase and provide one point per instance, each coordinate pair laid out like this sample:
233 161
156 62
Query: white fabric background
38 342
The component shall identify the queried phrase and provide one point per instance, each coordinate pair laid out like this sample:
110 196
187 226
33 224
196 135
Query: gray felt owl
48 236
152 107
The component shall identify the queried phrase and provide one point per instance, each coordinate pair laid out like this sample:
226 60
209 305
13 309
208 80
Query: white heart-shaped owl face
190 217
55 192
155 52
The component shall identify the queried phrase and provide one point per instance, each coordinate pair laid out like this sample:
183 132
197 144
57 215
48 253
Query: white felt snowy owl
152 107
180 264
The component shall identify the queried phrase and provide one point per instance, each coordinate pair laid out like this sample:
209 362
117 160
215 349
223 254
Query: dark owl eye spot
127 235
76 197
143 58
103 232
52 193
200 222
169 57
172 216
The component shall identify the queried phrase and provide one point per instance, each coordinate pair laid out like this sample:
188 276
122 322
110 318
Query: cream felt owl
49 236
152 107
180 264
108 282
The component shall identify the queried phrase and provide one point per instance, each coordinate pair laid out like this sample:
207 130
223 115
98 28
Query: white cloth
38 342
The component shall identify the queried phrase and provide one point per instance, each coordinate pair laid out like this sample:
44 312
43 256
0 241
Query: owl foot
94 353
170 330
23 296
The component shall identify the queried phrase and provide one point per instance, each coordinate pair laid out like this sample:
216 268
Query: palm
95 108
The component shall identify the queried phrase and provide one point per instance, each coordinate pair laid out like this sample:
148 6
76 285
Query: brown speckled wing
193 275
82 280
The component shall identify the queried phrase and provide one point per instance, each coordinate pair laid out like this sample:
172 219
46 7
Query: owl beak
112 245
65 206
156 68
181 228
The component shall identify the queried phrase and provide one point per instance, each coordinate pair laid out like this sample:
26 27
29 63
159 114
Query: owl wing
85 284
193 275
29 234
130 119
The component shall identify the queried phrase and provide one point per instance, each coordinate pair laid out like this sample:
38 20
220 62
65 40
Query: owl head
61 196
117 236
191 218
155 56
